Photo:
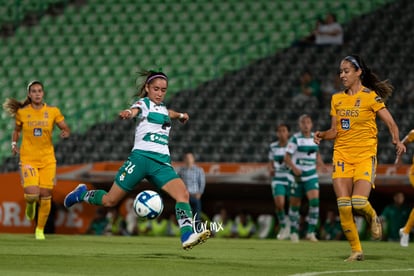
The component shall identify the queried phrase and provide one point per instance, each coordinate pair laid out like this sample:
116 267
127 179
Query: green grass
93 255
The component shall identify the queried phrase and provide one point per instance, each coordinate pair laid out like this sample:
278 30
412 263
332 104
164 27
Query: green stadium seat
103 43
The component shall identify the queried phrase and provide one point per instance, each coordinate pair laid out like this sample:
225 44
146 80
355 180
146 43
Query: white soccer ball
148 204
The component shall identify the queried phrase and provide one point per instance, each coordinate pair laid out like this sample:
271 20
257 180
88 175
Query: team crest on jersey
37 132
46 115
378 99
345 124
357 103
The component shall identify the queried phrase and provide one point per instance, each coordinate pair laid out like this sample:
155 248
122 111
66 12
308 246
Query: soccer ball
148 204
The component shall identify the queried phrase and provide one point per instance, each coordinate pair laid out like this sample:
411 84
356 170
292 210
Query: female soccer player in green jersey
303 157
281 178
149 158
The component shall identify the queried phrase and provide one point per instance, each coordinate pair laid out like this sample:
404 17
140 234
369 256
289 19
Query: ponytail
11 105
383 88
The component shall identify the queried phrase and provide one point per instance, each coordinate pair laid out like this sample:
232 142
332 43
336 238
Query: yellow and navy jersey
37 126
355 123
410 136
410 139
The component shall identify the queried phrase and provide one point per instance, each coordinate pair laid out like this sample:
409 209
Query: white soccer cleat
355 256
404 238
294 237
311 237
195 239
284 233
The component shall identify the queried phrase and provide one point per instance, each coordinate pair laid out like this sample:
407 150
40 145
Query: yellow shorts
362 170
411 176
44 177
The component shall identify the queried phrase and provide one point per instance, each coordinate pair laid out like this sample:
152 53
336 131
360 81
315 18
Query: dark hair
333 16
283 125
149 75
33 83
11 105
303 116
384 88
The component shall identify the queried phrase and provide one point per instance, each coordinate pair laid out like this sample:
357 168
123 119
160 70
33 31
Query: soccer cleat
75 196
39 234
284 233
404 238
30 210
376 228
311 237
195 239
294 237
355 256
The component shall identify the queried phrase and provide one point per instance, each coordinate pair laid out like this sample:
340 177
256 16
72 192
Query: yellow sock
44 210
410 222
362 206
348 224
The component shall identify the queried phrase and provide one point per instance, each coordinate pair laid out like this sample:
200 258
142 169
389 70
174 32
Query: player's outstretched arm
387 118
327 134
128 113
182 117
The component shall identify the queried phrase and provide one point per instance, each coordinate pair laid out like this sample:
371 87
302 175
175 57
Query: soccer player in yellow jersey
405 231
35 120
353 126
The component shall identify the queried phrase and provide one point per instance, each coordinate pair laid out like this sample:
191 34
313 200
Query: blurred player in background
354 129
36 120
149 158
405 231
281 178
302 157
195 180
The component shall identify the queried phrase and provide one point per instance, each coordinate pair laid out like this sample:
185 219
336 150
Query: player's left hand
317 138
400 148
64 134
184 118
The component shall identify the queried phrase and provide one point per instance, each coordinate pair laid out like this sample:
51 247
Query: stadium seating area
230 61
13 12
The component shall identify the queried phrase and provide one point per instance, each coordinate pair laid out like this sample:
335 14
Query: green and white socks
184 217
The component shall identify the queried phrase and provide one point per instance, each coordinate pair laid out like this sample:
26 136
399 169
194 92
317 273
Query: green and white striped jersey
304 155
277 155
152 130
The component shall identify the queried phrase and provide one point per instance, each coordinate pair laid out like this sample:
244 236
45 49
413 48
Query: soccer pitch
106 255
